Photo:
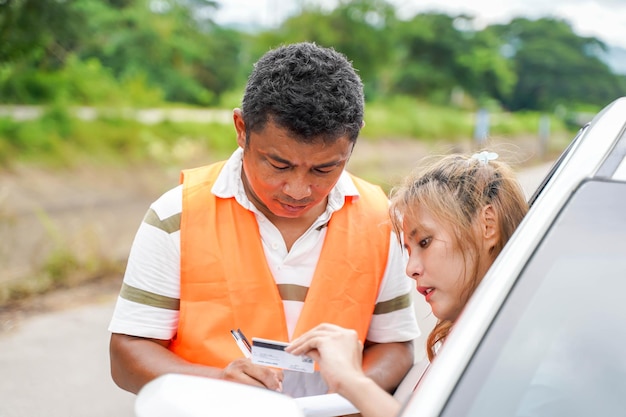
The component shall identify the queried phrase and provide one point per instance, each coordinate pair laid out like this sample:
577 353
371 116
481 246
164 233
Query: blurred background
102 102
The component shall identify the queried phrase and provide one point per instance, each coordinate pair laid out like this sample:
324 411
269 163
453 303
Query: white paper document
327 405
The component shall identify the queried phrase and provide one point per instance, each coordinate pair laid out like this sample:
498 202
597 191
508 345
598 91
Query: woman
453 218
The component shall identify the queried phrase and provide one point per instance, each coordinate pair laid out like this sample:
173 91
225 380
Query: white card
272 353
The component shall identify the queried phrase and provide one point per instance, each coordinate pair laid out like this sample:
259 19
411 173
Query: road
146 116
57 364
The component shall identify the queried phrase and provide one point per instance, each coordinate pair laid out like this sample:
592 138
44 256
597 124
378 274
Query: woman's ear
489 228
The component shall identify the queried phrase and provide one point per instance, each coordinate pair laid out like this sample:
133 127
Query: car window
558 344
556 165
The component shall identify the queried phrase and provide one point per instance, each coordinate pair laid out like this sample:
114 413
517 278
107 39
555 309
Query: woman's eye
425 242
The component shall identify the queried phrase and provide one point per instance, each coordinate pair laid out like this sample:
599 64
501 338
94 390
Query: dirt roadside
92 212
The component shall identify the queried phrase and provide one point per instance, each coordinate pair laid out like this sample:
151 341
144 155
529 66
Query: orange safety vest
225 282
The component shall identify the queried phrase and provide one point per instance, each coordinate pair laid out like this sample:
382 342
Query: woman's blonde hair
454 189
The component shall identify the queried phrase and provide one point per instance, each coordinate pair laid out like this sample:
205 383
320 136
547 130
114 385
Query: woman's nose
414 267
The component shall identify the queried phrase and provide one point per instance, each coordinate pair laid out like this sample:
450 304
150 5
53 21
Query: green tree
38 31
188 57
484 71
361 29
429 45
555 66
36 40
438 53
171 45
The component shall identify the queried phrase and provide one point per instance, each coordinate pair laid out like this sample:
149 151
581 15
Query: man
274 241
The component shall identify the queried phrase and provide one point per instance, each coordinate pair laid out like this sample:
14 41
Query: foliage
403 117
38 32
166 44
359 29
85 82
555 66
143 53
440 52
163 44
60 138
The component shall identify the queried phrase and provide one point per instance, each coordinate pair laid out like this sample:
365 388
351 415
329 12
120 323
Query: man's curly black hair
312 91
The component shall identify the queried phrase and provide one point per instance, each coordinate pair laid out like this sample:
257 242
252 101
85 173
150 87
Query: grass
405 117
65 262
60 139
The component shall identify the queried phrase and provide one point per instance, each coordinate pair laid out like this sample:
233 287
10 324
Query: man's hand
135 361
245 372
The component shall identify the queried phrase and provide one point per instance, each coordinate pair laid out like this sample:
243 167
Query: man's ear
489 227
240 127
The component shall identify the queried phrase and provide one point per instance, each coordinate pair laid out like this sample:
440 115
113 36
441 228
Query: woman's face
436 263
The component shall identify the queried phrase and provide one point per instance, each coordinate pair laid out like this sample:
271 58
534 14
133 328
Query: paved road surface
57 364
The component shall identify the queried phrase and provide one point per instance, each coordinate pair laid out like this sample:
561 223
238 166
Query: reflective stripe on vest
227 284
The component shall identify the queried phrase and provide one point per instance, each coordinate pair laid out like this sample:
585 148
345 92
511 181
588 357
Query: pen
245 340
241 340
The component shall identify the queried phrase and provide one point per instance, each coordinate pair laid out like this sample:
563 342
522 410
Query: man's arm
135 361
387 363
393 319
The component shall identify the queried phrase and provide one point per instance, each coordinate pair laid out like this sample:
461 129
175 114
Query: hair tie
484 157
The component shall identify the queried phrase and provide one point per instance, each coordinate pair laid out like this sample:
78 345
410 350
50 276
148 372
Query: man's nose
297 188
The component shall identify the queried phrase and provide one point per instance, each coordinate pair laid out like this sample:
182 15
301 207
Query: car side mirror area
175 395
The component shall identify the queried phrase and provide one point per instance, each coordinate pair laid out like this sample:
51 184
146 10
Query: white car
543 335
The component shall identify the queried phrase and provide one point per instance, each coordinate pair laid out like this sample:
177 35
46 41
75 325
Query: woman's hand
338 352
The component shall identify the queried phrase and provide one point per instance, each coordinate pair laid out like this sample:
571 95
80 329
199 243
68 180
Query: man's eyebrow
278 159
328 164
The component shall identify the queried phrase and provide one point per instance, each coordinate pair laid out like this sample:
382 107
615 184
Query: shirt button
274 246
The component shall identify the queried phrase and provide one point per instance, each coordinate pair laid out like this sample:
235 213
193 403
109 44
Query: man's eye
280 167
324 170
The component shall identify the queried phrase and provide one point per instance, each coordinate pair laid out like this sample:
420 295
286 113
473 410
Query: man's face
286 178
